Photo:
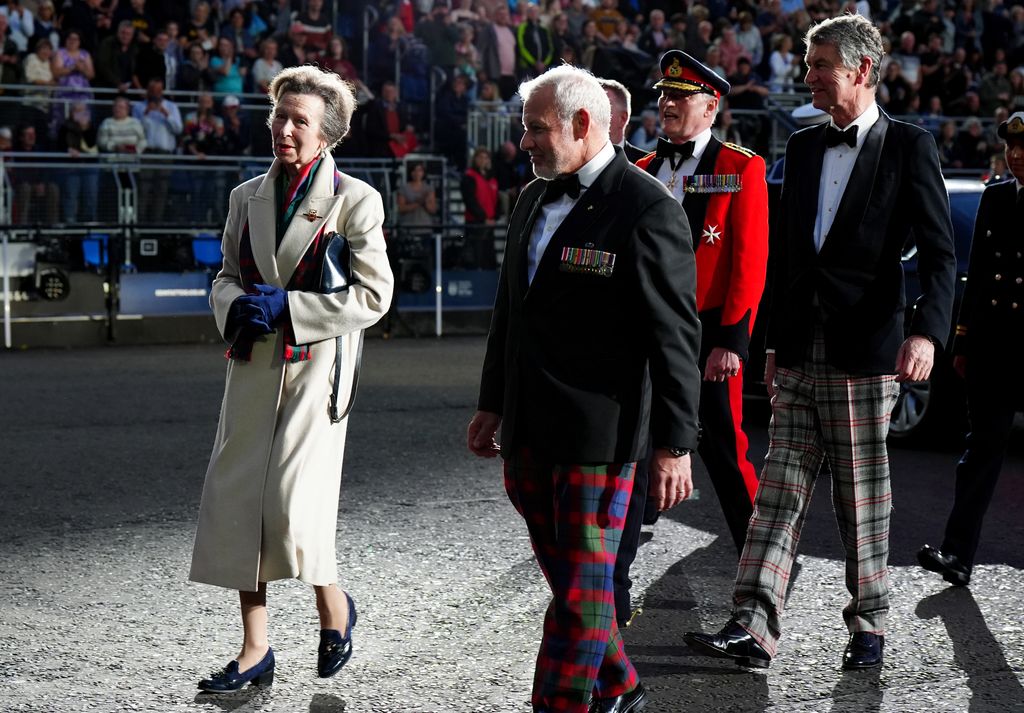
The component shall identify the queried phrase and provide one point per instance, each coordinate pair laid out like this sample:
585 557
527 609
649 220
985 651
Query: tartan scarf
307 272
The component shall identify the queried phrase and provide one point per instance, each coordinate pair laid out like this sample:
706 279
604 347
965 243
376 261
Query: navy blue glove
262 311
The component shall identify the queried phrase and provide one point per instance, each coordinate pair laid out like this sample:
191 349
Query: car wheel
910 415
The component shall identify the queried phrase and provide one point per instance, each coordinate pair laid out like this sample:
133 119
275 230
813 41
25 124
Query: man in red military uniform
723 191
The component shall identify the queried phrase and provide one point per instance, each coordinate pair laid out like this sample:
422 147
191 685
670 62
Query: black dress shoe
949 566
635 700
863 651
732 642
335 650
229 680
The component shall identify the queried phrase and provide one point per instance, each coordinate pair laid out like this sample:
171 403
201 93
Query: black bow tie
834 137
564 186
667 149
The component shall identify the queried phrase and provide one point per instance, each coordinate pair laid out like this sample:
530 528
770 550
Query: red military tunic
726 204
730 237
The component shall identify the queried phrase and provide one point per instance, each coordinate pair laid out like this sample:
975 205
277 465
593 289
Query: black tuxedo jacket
895 194
633 153
583 366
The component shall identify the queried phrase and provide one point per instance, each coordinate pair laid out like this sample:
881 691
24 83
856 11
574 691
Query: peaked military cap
1012 128
683 73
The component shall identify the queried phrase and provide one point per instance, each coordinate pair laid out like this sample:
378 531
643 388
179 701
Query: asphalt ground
102 457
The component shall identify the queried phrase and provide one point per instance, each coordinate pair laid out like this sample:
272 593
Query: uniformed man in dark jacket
990 326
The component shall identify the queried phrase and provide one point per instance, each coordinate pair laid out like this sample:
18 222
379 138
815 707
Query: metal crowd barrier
110 272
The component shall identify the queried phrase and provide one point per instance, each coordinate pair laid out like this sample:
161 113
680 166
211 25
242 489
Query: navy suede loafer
229 679
335 650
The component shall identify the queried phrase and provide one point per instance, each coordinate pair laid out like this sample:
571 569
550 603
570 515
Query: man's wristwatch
679 452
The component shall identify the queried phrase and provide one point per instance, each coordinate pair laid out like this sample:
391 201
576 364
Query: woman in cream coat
270 502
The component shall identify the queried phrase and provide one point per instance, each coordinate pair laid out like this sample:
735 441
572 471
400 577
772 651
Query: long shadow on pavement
994 685
678 679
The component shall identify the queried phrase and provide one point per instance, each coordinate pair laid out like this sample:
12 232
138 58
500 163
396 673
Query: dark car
938 406
926 409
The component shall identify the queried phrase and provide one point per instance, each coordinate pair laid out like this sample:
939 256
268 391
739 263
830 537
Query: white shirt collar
592 168
864 122
700 142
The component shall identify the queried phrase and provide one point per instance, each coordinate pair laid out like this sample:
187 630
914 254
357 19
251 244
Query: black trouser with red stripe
723 449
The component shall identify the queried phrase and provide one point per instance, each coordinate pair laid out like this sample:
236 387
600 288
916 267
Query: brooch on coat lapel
587 260
713 183
311 215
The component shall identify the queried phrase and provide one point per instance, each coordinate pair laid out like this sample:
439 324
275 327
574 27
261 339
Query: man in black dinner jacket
593 345
854 191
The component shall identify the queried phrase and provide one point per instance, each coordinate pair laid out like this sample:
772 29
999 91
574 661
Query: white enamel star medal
711 234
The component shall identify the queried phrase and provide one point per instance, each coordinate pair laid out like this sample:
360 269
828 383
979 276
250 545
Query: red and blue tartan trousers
820 413
575 514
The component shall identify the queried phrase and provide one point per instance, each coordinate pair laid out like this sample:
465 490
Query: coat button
1019 280
995 302
998 277
988 233
998 254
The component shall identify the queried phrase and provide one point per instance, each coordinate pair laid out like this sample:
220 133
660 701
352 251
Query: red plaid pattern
575 515
818 413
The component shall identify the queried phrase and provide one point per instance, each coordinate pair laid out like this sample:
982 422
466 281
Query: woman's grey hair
338 95
575 89
854 38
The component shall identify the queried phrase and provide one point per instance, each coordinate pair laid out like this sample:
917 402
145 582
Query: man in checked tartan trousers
593 345
853 192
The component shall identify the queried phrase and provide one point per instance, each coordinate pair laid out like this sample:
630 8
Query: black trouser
993 394
721 440
630 541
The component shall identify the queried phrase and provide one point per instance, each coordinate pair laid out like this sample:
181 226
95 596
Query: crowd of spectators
202 54
954 67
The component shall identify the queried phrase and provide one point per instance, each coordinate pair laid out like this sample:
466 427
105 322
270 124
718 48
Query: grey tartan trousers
820 412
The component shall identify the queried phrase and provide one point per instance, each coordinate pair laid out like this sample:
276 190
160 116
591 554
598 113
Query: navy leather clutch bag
336 272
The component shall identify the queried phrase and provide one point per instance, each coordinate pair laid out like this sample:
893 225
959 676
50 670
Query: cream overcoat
270 501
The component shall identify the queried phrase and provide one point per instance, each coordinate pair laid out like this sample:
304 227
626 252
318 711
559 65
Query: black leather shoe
863 651
949 566
732 642
335 650
229 680
635 700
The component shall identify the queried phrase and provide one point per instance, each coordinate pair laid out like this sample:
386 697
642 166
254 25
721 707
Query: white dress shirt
688 167
552 214
835 174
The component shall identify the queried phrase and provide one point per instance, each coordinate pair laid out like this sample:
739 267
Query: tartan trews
575 515
821 416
